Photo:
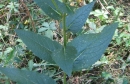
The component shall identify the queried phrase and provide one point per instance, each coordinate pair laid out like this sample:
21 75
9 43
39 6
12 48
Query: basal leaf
26 77
75 22
90 47
65 58
41 46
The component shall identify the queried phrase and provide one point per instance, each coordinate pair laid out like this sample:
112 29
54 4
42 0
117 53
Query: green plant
47 29
80 53
102 15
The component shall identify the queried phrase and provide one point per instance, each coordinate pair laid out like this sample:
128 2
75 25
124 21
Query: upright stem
64 78
53 1
64 37
64 1
64 29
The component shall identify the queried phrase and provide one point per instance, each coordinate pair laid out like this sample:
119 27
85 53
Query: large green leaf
65 8
65 58
53 8
41 46
26 77
48 8
75 22
90 47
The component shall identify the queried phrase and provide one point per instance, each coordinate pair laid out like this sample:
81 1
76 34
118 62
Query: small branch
105 2
28 14
103 6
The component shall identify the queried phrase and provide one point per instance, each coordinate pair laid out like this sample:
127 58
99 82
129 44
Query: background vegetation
112 68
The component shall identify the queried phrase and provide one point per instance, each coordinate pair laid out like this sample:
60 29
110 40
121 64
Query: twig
103 6
28 14
105 2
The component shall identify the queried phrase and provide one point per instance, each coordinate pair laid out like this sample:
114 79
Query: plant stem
53 1
115 19
64 1
3 40
64 29
64 37
64 78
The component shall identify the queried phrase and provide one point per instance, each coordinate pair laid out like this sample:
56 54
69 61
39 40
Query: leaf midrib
89 45
38 43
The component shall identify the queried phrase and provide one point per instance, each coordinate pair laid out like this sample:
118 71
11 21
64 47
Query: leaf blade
65 58
48 8
79 17
26 77
41 46
90 47
54 8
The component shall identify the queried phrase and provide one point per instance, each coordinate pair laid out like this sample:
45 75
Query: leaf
53 9
52 26
26 77
8 50
48 7
75 22
128 59
106 75
90 47
5 28
10 56
45 24
41 46
125 81
42 29
49 34
65 58
65 8
30 65
92 25
1 5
